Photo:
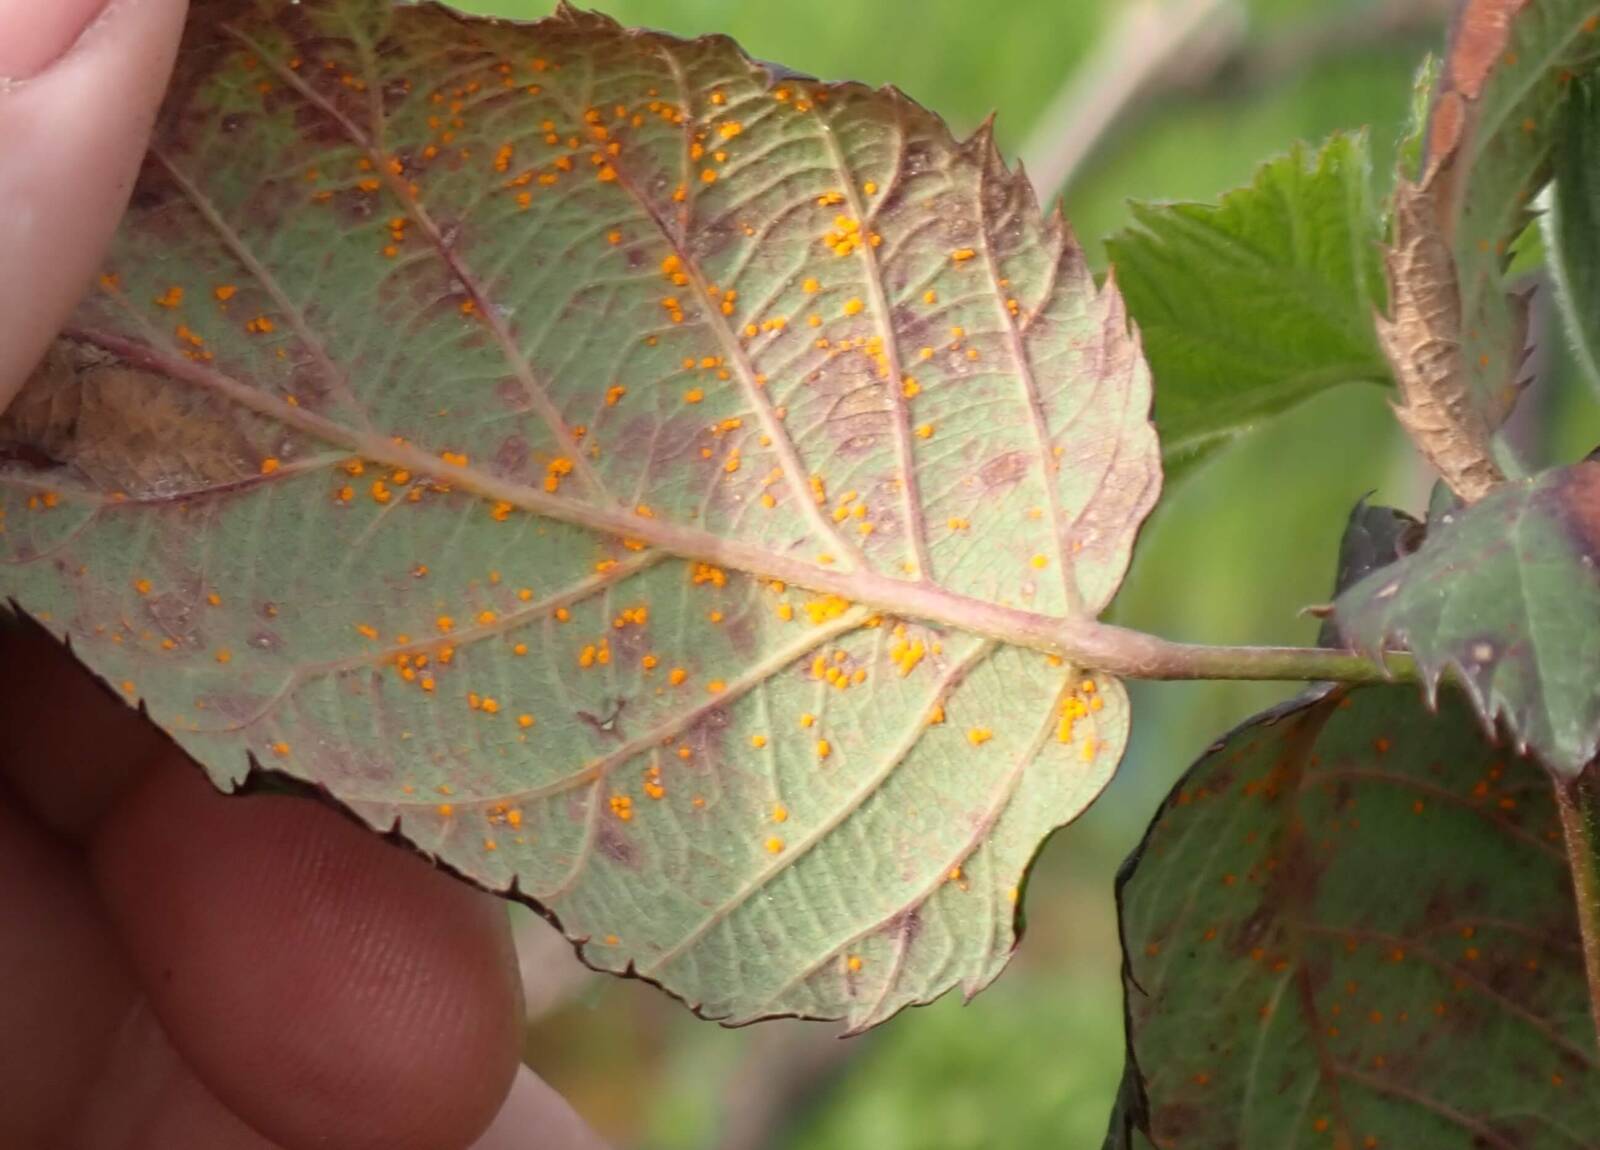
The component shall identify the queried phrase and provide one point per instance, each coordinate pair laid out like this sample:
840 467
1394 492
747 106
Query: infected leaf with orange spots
1352 925
600 524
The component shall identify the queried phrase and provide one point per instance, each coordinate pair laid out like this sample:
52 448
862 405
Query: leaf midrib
1051 634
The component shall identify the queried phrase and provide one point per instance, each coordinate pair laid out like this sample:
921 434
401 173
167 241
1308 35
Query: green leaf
1572 225
1259 302
1505 595
1491 133
1352 925
652 483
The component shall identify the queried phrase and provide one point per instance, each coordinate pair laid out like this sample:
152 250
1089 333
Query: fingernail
36 33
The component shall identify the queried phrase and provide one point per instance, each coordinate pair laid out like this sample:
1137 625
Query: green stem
1136 655
1577 801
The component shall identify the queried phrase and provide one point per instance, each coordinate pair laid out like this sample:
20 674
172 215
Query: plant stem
1136 655
1140 51
1577 801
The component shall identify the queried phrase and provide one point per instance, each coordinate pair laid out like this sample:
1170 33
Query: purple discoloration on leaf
1337 910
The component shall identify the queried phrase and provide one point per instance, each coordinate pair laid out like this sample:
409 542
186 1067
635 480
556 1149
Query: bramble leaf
1490 135
1259 302
1572 225
1504 595
652 483
1352 925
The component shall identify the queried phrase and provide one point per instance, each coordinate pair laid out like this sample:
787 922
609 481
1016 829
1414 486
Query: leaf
1408 149
1505 595
526 434
1352 925
1490 137
1423 340
1259 302
1572 225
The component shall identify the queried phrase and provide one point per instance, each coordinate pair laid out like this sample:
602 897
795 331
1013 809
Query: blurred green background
1230 557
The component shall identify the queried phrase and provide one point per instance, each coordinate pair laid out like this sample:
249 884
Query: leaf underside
1352 925
614 465
1259 302
1505 596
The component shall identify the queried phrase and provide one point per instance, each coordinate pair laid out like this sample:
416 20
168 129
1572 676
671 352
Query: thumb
80 82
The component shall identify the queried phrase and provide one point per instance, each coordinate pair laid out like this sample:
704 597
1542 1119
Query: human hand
183 969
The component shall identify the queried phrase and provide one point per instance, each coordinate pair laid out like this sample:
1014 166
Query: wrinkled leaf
1572 225
1260 301
1504 595
1422 338
651 482
1352 925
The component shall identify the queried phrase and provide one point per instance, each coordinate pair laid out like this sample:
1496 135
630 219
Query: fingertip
68 747
327 986
65 984
34 35
74 135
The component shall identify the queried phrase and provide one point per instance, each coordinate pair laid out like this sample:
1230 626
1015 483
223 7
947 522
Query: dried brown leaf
1422 339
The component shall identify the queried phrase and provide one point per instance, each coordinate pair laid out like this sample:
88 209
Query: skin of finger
64 987
33 35
71 746
73 139
148 1098
328 987
68 746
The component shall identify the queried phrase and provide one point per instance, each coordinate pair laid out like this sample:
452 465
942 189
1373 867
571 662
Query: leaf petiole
1576 801
1136 655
